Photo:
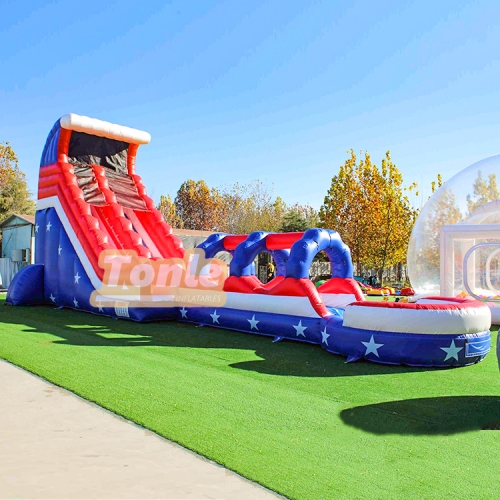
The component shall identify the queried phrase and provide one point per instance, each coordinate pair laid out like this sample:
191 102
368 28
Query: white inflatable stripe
337 299
294 306
101 128
440 321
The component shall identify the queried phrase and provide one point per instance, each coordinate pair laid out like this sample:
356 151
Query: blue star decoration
77 278
253 323
215 317
324 336
299 329
452 351
75 301
372 347
183 312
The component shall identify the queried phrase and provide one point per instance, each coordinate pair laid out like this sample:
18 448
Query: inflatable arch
92 206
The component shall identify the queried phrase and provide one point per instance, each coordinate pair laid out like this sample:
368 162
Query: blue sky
276 90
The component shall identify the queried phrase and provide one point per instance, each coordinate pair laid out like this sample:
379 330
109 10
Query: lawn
287 415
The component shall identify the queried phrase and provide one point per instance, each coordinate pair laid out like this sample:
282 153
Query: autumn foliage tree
235 209
198 207
169 212
394 217
14 194
371 210
346 208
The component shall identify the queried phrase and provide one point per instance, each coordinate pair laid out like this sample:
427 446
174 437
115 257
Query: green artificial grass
288 415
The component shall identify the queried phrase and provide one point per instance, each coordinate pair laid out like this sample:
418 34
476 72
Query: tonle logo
192 280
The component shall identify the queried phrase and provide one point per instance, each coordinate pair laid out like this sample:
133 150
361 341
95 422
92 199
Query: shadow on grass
441 415
286 358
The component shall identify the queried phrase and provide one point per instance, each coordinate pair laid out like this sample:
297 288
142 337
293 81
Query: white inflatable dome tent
455 244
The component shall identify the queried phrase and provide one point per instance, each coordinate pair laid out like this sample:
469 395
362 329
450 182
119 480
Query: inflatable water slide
102 247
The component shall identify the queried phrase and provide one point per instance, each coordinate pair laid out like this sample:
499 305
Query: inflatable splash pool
102 247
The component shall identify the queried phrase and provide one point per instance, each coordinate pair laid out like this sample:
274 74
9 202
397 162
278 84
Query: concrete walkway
54 444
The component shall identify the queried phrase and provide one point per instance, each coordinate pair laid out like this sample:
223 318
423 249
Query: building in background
18 246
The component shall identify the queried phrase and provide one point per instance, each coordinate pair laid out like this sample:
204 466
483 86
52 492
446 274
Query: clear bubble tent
455 244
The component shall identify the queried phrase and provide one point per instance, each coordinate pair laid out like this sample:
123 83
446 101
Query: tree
436 184
198 206
483 192
252 207
299 218
293 222
393 215
306 213
169 212
371 211
14 194
233 209
262 212
347 206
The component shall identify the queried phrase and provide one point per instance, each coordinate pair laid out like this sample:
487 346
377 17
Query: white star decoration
49 225
75 302
452 351
36 228
77 278
372 347
325 336
52 298
253 323
215 317
100 309
183 312
59 250
299 329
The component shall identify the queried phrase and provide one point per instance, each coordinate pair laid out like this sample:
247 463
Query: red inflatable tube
447 304
282 241
54 168
232 241
63 145
131 156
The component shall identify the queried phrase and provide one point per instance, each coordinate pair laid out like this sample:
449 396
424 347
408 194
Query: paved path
54 444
